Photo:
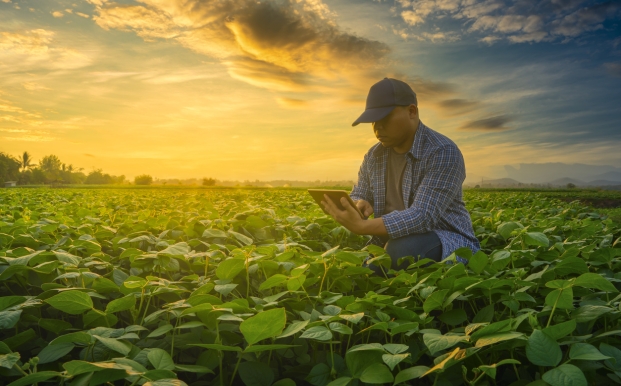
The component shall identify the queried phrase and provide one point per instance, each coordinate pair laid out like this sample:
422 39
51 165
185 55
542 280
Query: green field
259 287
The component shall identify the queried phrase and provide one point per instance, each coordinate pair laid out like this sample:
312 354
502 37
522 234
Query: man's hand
365 208
349 217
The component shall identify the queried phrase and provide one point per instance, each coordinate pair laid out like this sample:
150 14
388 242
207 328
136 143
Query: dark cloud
453 107
89 155
273 44
429 90
495 123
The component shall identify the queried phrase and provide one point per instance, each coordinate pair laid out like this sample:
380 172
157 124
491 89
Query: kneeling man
411 181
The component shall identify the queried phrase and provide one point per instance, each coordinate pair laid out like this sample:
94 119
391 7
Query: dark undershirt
394 180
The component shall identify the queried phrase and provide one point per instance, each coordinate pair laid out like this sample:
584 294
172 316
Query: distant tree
9 168
143 179
477 186
571 186
26 161
50 165
209 182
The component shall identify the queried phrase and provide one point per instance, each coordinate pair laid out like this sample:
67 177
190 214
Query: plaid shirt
431 189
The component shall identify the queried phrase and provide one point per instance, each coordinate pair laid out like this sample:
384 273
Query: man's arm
362 189
441 183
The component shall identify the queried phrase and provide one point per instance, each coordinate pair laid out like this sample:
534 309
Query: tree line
50 170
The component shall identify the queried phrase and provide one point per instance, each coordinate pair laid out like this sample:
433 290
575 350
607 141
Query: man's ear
413 110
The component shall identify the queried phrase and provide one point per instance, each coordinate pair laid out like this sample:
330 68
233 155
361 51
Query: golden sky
244 89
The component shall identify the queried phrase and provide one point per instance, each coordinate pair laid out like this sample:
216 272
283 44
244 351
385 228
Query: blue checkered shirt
432 193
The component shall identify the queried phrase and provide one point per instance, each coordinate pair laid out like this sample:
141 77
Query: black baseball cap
383 97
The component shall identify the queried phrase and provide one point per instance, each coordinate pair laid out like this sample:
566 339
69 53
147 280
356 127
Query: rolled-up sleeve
362 189
444 175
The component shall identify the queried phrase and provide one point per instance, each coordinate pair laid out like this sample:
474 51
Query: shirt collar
415 151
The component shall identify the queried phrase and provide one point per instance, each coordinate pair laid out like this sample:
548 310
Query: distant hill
608 176
567 180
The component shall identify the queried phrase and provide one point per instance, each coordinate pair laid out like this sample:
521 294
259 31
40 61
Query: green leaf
542 350
593 280
478 262
273 281
410 373
565 375
80 367
570 265
376 373
393 359
161 330
194 369
179 249
495 338
586 352
39 376
241 238
115 345
73 337
437 342
256 374
122 304
71 302
340 328
560 330
8 319
267 347
435 300
612 352
506 228
454 317
293 328
219 347
317 333
160 359
266 324
342 381
561 298
54 352
588 313
230 268
536 238
10 359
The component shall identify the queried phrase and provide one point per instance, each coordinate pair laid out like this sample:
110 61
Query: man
411 181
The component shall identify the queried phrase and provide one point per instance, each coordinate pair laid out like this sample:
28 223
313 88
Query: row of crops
253 287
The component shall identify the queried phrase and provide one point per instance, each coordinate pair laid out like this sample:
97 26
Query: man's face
395 128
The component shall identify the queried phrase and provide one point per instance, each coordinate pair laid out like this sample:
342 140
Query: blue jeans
420 246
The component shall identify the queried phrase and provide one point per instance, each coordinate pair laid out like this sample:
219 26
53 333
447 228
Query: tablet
335 196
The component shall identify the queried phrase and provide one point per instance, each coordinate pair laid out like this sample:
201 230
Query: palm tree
25 162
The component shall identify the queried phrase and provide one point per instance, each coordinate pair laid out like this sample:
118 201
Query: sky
247 89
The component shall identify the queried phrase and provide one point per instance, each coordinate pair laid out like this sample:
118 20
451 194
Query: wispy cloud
20 50
516 21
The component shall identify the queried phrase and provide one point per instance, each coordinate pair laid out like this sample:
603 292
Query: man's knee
414 245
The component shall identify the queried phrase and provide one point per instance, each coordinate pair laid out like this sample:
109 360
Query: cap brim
373 115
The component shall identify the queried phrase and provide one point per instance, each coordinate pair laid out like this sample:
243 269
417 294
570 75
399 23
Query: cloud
33 86
89 155
454 107
292 103
58 14
82 15
291 45
494 123
613 68
36 48
516 21
585 19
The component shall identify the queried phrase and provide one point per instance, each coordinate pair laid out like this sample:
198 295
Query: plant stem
235 370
